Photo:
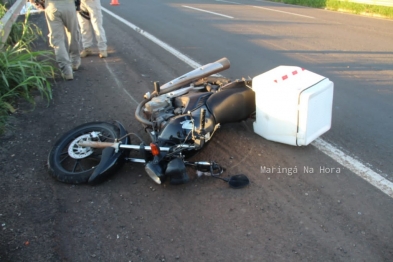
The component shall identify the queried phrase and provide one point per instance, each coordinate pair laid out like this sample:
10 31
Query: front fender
111 161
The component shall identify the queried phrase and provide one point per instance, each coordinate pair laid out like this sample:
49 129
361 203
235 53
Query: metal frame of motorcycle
202 167
174 155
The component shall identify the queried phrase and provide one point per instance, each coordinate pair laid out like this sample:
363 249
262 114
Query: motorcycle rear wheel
70 163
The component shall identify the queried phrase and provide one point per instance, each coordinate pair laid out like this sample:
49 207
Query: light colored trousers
93 26
61 19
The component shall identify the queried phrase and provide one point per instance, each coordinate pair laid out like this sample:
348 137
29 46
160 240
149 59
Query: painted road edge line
155 40
260 7
347 161
355 166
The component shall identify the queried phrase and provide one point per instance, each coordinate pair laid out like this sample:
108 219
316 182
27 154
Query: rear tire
70 163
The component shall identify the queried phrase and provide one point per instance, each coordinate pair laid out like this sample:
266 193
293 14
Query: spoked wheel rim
75 159
78 152
70 158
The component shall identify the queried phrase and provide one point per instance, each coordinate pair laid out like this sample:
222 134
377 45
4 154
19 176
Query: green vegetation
22 70
3 10
343 5
311 3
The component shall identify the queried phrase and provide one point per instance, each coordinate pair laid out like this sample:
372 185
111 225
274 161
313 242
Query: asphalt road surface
355 52
307 207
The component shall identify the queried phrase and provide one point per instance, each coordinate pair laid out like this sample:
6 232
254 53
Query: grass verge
23 70
346 6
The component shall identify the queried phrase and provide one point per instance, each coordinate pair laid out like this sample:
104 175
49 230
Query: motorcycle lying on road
180 117
291 105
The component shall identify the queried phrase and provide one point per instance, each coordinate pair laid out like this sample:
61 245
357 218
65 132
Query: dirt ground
127 218
278 217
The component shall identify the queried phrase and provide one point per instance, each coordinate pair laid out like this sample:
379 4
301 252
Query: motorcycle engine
159 109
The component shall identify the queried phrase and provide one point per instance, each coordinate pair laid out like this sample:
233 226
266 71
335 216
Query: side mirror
238 181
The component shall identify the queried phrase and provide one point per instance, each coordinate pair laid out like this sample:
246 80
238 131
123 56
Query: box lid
287 79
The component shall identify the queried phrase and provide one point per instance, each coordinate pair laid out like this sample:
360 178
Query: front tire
70 163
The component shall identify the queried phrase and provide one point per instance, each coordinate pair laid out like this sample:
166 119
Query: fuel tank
233 103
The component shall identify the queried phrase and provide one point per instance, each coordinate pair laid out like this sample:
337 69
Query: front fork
176 171
158 169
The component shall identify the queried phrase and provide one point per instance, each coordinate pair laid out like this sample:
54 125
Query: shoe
86 52
75 67
103 54
68 76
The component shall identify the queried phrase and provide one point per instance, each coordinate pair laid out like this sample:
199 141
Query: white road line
347 161
267 9
118 83
274 10
355 166
213 13
155 40
228 2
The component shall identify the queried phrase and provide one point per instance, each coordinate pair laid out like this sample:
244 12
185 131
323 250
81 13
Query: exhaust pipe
196 74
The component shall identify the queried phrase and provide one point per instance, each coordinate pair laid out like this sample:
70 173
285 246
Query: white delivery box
293 105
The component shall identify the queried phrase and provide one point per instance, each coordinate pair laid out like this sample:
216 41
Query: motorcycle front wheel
70 163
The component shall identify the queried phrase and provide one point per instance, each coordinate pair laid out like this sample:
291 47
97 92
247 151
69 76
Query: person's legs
57 39
72 30
86 31
96 19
